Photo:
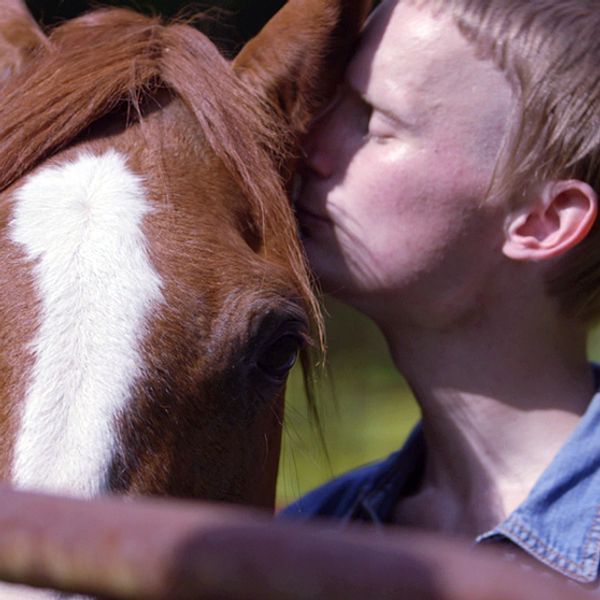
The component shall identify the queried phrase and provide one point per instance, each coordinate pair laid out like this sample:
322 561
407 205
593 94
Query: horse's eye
278 358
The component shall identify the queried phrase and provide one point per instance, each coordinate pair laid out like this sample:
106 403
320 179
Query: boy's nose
317 150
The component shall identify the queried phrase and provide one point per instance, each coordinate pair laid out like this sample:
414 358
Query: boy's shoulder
338 497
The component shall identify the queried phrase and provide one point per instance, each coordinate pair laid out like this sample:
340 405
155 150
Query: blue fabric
558 523
369 493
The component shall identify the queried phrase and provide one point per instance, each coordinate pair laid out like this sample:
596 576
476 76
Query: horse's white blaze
81 223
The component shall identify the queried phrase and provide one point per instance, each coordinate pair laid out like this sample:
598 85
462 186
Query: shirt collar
559 522
378 497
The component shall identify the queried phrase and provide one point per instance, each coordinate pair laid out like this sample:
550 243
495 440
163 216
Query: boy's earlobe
560 217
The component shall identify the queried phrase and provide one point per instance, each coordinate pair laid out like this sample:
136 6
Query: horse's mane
111 56
97 62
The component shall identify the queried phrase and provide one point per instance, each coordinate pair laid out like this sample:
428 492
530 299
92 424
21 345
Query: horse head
154 294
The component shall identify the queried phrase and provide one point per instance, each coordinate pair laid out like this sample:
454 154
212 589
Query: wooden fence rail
150 550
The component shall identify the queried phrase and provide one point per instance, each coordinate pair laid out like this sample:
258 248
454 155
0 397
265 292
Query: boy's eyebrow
391 116
355 82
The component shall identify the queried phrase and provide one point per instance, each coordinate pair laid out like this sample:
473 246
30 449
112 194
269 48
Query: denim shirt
558 523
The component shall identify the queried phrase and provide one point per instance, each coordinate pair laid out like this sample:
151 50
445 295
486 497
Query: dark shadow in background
232 22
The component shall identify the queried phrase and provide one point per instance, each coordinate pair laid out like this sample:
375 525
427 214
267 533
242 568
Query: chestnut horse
153 294
153 291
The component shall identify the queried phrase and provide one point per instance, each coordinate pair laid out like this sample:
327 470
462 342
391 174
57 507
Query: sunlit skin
398 222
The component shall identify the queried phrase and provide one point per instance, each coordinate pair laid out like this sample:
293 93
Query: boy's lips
299 193
304 214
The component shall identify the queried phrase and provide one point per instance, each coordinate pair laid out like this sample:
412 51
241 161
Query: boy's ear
558 217
20 36
299 57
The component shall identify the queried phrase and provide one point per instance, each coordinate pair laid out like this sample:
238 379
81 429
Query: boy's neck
489 398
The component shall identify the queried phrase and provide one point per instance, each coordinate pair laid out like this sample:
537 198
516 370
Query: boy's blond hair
550 52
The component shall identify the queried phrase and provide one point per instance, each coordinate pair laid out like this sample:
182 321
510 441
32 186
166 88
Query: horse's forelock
111 56
245 134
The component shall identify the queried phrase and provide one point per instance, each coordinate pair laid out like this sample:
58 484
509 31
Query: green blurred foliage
365 407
